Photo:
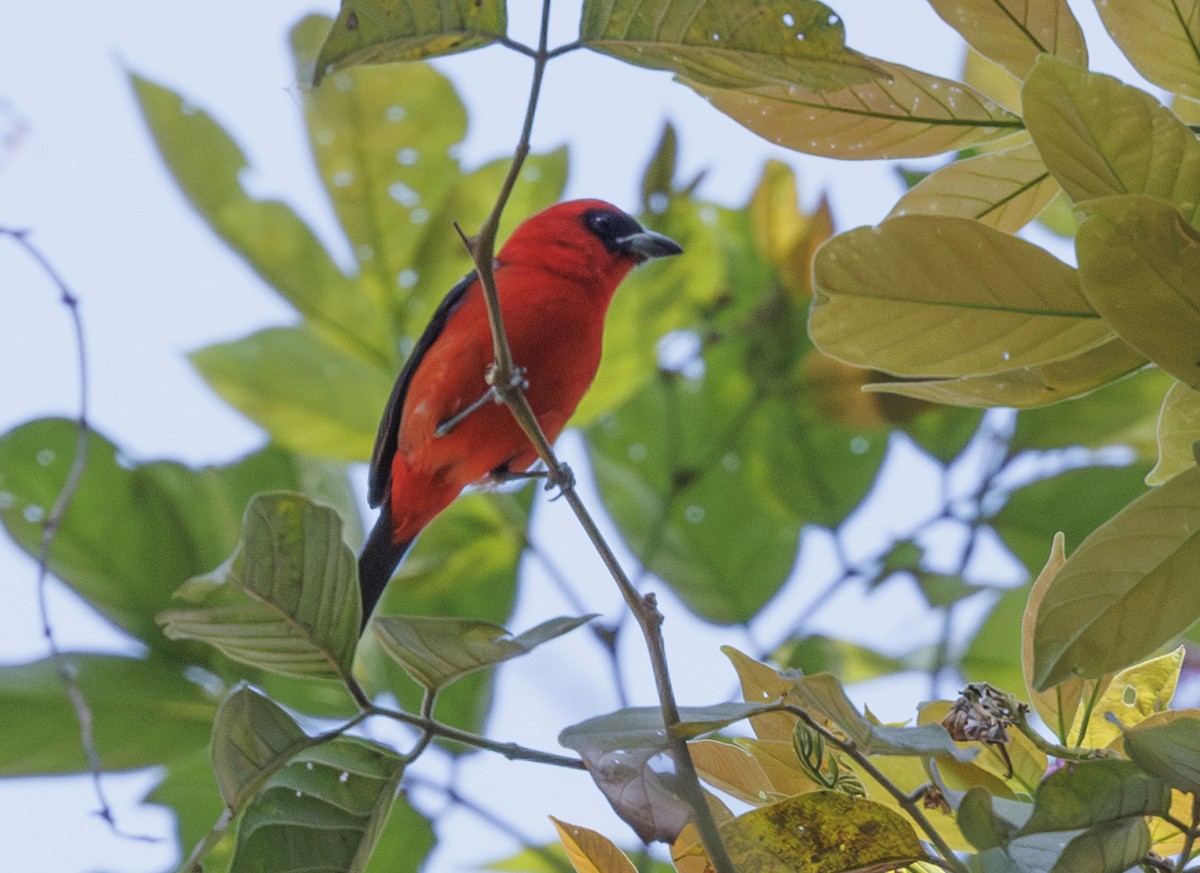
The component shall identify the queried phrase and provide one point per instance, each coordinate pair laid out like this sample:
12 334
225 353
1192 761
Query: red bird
441 431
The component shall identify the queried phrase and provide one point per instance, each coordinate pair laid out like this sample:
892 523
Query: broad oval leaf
324 810
1013 33
899 113
1128 697
382 31
251 738
308 394
726 45
287 599
1099 136
1028 386
1003 189
924 295
1093 792
1139 263
1110 847
831 831
1168 746
1177 432
591 852
1161 38
1095 616
437 650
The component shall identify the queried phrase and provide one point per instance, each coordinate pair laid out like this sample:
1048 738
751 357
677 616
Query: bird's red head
587 239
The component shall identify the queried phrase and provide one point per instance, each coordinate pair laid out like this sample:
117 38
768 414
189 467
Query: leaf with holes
900 113
790 42
286 600
384 31
924 295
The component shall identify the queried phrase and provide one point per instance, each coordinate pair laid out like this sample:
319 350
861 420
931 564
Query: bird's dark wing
389 427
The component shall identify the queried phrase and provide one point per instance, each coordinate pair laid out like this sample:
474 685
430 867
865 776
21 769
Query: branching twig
504 378
50 527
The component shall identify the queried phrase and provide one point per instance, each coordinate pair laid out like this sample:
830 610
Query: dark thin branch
50 528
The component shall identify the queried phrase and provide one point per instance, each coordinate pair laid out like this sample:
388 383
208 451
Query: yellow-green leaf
1096 615
1099 136
591 852
1130 697
1161 38
382 31
1168 746
1003 189
899 113
1027 386
727 45
924 295
833 832
1178 431
1014 32
1139 263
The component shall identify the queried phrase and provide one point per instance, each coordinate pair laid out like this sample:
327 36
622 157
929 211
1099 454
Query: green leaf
1099 137
980 824
310 396
1075 502
831 831
1168 746
384 31
436 651
464 564
1161 38
900 113
789 42
1013 33
1095 792
286 600
1027 386
144 712
1139 262
188 792
405 843
1178 430
211 170
1141 563
134 532
925 295
641 727
323 811
1003 189
251 738
1111 847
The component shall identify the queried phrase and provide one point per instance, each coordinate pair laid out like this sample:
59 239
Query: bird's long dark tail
378 561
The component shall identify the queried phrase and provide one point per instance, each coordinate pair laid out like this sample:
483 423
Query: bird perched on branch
444 427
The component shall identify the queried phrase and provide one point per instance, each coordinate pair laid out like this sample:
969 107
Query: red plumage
555 277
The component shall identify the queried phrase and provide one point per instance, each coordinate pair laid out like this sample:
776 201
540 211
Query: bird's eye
601 221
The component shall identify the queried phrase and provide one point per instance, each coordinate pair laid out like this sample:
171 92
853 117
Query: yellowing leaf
732 769
1099 136
900 113
988 77
1014 32
1139 263
1003 189
787 236
1056 706
777 759
726 45
924 295
1178 430
763 684
831 831
591 852
1142 563
382 31
1161 38
1132 695
1028 386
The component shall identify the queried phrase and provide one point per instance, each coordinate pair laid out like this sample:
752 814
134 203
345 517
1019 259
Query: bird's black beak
646 245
